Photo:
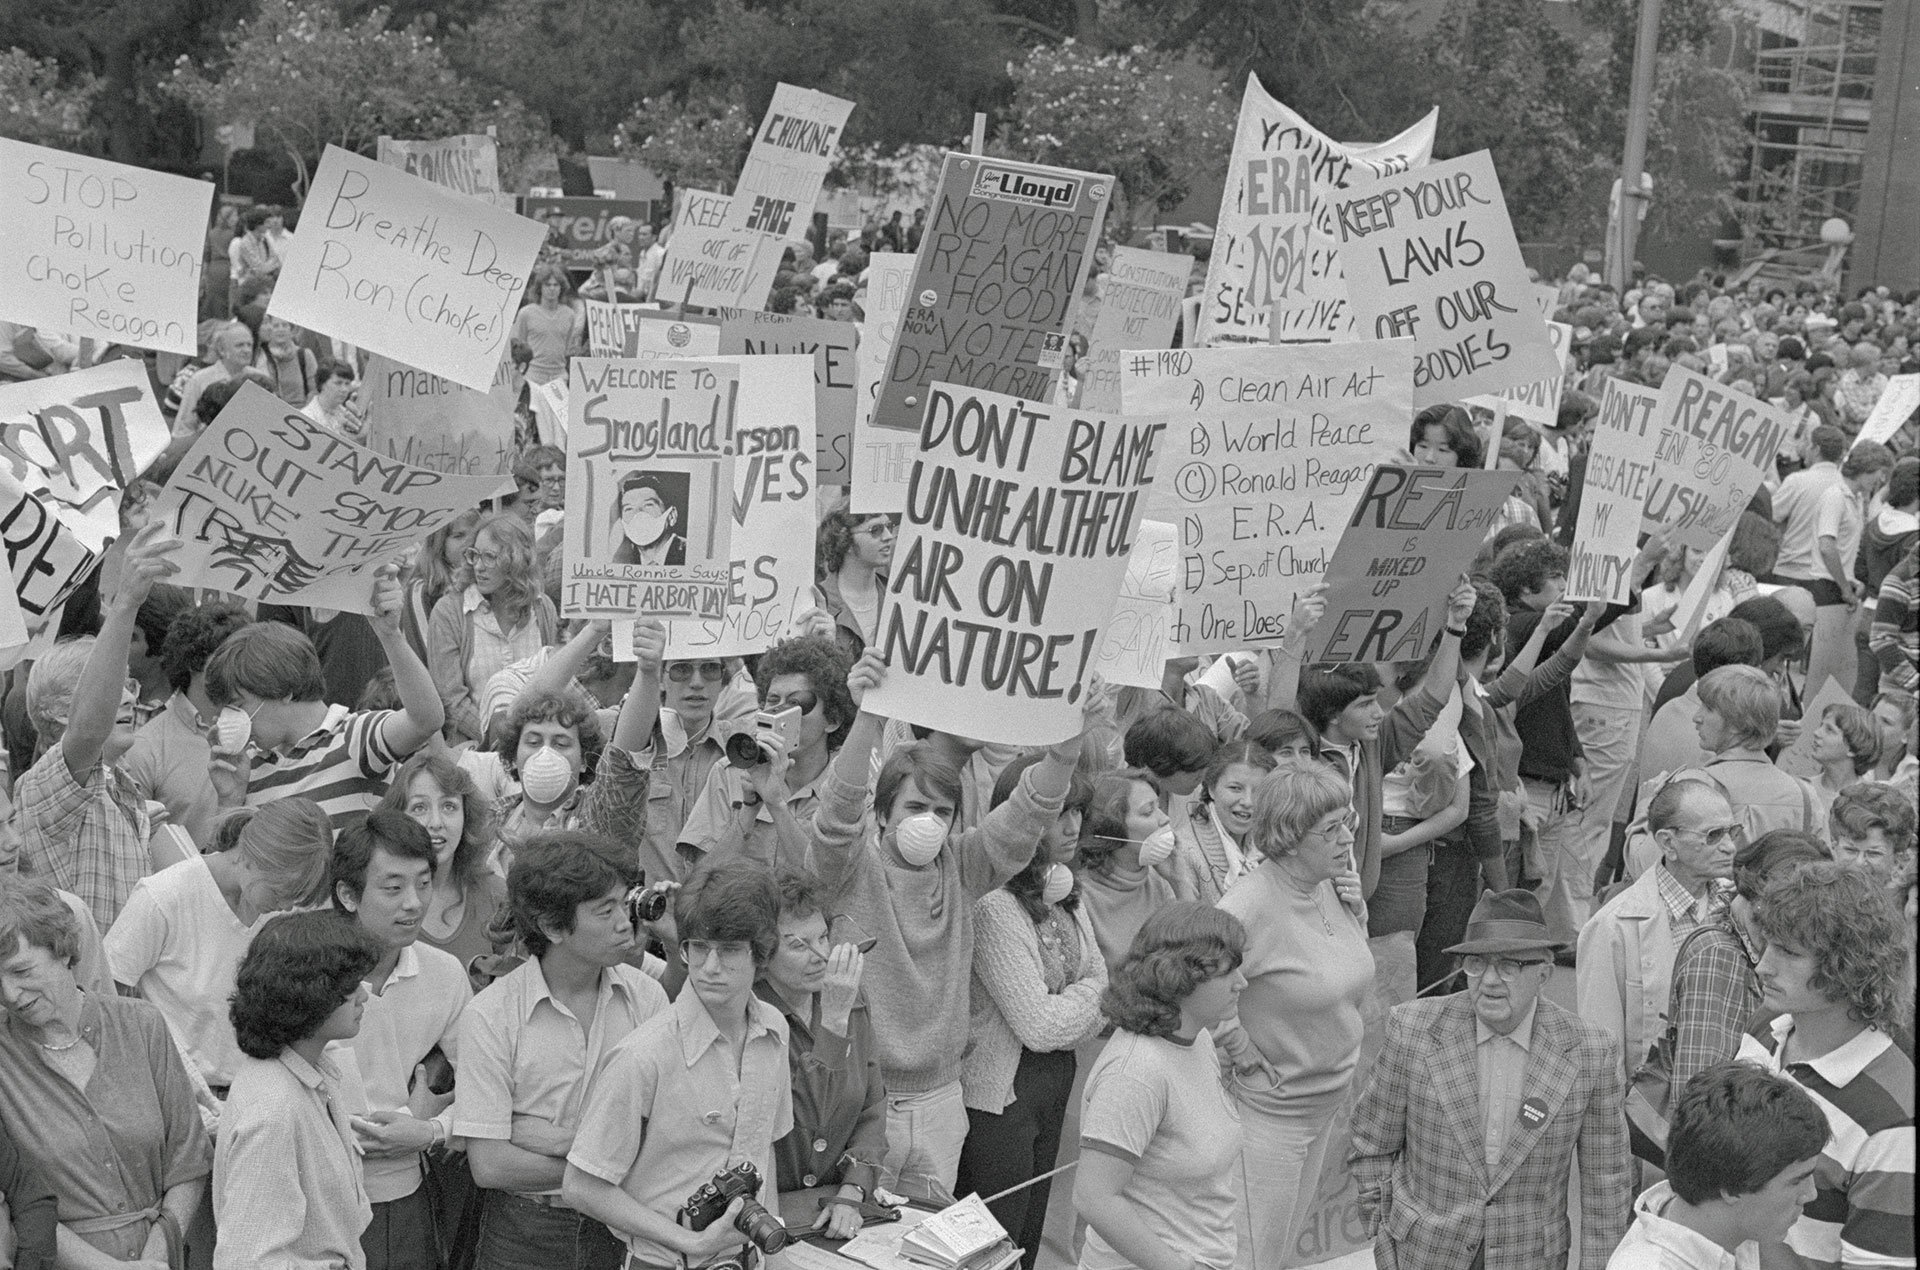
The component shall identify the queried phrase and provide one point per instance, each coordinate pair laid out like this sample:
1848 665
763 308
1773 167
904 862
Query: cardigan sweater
1014 1008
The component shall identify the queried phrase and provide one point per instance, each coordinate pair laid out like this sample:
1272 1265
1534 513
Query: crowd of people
450 936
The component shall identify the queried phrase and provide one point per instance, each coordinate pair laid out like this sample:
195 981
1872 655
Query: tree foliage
36 107
699 143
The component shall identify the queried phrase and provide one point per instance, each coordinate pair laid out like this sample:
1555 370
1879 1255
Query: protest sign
646 332
1275 267
831 346
1689 612
1537 402
406 268
1619 477
792 150
610 327
274 508
101 250
77 440
1406 546
1269 451
1898 400
47 558
650 458
1138 638
1714 446
469 163
1140 298
1019 523
770 572
706 265
549 402
434 423
881 459
1431 254
1797 759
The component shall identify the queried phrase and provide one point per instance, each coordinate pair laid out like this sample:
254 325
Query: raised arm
835 841
616 801
97 697
421 715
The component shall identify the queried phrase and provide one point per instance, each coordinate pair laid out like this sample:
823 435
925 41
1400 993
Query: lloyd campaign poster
650 455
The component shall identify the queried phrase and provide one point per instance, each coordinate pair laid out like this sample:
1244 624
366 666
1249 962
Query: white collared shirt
1654 1242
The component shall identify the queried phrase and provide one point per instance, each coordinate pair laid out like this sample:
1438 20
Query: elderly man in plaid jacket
1464 1138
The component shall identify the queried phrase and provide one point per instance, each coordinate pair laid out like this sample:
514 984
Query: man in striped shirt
1835 972
301 744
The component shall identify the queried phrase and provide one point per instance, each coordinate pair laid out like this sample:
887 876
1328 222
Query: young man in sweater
911 886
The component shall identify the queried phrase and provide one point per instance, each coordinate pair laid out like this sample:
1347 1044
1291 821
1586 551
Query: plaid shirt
1715 993
89 839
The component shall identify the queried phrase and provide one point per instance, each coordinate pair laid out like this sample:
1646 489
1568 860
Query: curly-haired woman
852 554
1159 1135
287 1186
494 616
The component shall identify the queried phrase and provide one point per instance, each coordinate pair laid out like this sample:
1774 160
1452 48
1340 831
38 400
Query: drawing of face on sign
650 517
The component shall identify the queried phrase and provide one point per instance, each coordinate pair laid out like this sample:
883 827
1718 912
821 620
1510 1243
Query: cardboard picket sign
48 559
1537 402
430 422
831 345
1431 254
1898 400
1137 640
272 507
650 458
786 165
1269 451
469 163
1691 610
1619 477
1005 254
881 459
709 266
1019 523
100 249
1714 447
648 332
77 440
406 268
1140 296
1408 543
1274 275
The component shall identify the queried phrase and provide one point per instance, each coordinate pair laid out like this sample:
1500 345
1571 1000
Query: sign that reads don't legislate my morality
1268 452
1619 478
1006 250
1406 546
1019 523
1140 296
650 455
272 507
406 268
835 376
100 249
1713 449
1274 275
1431 254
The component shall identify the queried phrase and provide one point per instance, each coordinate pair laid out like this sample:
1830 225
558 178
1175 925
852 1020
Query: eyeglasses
475 557
1719 837
696 951
681 671
1476 965
803 699
880 529
1350 825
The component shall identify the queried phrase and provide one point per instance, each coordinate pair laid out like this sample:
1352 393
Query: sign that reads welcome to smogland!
1005 252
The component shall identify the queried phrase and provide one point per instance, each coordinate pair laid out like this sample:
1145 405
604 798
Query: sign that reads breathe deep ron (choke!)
100 249
275 508
1619 478
1713 448
1431 254
1268 453
1406 546
1019 524
406 268
1006 250
650 456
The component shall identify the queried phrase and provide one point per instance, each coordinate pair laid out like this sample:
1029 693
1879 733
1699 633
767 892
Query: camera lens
766 1231
743 750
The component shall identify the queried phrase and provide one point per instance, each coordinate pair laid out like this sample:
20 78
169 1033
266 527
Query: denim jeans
520 1234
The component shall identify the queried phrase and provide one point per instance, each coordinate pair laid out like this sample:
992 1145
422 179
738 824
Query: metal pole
1639 104
979 142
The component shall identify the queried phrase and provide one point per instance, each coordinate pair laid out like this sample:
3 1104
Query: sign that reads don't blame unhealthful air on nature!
1406 546
650 455
1019 524
1711 449
274 508
100 250
406 268
1268 450
1430 254
1006 250
1274 275
1619 477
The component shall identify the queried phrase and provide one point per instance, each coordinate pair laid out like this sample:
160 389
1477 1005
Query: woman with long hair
431 573
549 325
469 897
1125 859
1893 715
1211 849
493 616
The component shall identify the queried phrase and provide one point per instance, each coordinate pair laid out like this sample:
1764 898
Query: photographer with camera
675 1148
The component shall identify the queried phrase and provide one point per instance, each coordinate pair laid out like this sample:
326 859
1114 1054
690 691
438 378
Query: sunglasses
682 671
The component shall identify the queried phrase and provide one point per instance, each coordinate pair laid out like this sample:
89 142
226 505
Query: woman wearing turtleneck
1125 860
1293 1049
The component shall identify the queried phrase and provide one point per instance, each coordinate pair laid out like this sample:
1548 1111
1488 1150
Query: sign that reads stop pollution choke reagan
1019 525
1714 447
1431 254
100 249
1268 453
273 507
650 455
1005 252
1619 478
406 268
